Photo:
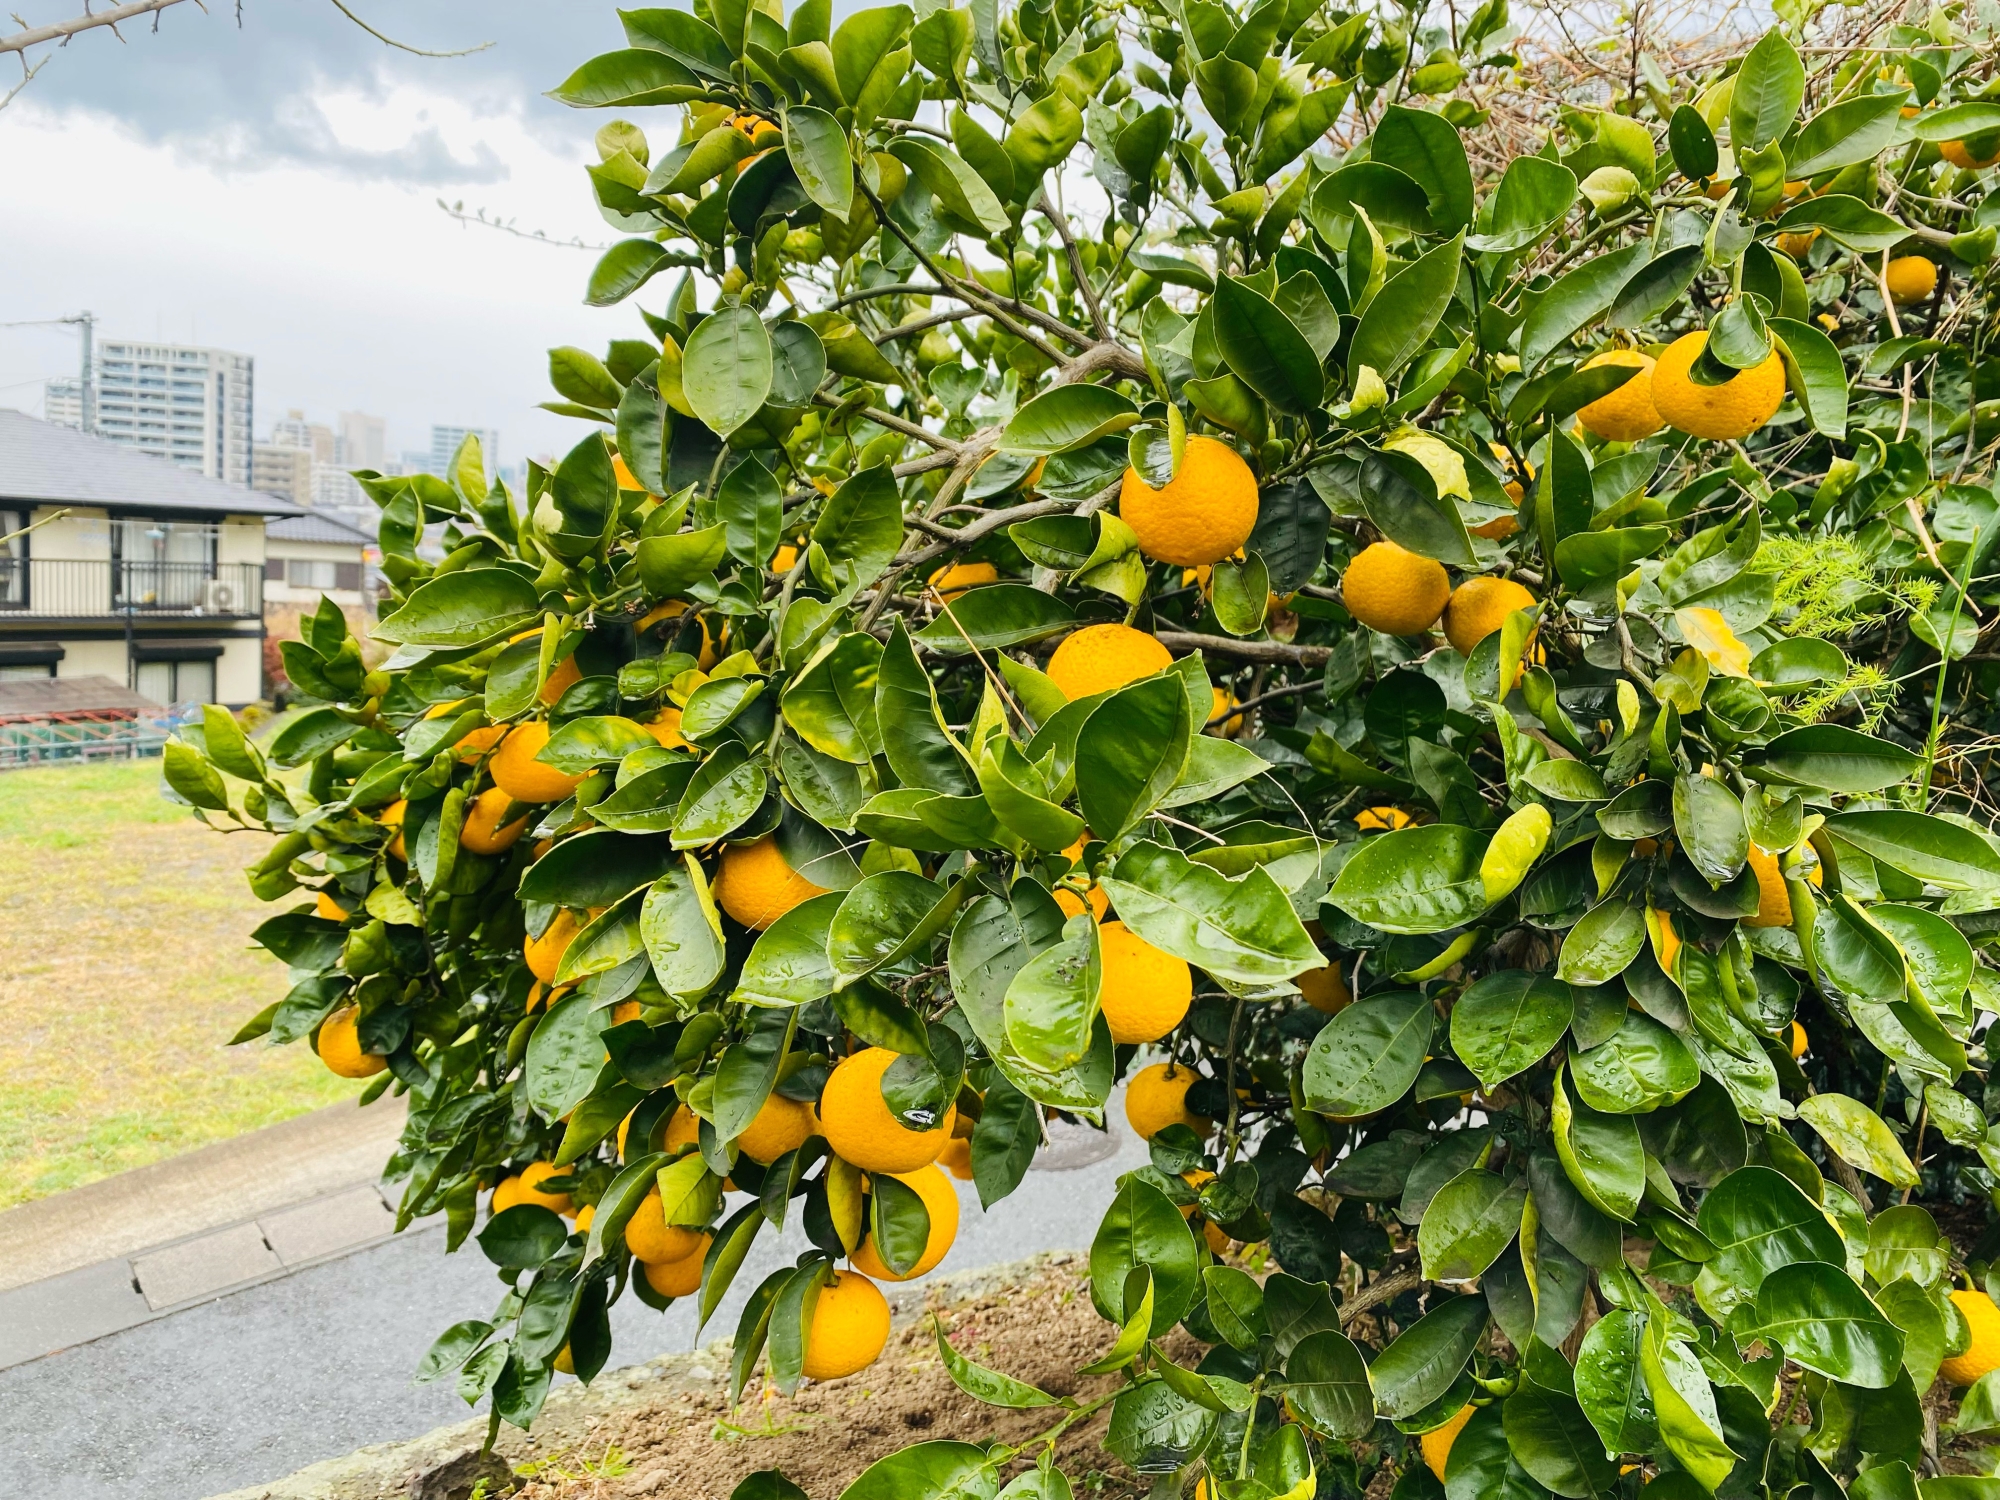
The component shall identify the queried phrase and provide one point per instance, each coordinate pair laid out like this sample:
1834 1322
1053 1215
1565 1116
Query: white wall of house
93 659
239 674
309 570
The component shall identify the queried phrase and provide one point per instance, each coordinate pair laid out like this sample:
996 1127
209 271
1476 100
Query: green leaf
671 564
990 1386
1427 147
1414 880
1934 850
1326 1381
466 608
1592 557
1758 1220
1265 348
817 148
1956 121
1610 1387
1041 137
1641 1067
1676 1382
1550 1437
1240 931
996 615
1601 1154
1404 314
860 529
1815 373
962 191
1654 287
830 703
565 1055
1401 498
920 749
628 78
1051 1003
1708 817
1421 1363
721 797
1826 1323
1068 417
682 933
1855 224
751 507
193 778
1533 197
1142 1230
928 1471
726 368
1844 134
523 1236
788 965
1831 757
1367 1057
1469 1221
1856 1134
1236 1308
1507 1022
623 269
598 868
885 917
1770 86
1130 752
1577 298
594 740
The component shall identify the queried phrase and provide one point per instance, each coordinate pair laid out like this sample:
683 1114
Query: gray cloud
235 86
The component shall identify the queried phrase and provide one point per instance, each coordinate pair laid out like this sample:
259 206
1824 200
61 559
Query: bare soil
691 1445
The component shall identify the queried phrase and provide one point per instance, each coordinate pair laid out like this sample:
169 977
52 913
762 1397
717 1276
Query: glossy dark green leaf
1578 298
1366 1058
1468 1223
788 965
1643 1066
817 147
1142 1229
1406 311
920 750
996 615
1758 1220
1825 1322
726 370
466 608
1265 349
721 797
860 529
1833 758
1708 817
1414 880
1427 147
1770 86
1505 1023
1130 752
1422 1361
1600 1153
1068 417
1242 931
1401 498
1930 849
940 1470
1327 1383
1550 1437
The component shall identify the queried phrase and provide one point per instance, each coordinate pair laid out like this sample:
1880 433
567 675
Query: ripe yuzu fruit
340 1045
482 832
517 773
1910 278
1394 591
940 1200
1479 606
1099 658
850 1326
1145 992
651 1238
857 1124
1983 1353
755 885
1723 413
1626 414
682 1277
1203 514
1156 1097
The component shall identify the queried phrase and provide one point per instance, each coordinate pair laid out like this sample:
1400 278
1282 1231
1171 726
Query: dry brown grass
124 969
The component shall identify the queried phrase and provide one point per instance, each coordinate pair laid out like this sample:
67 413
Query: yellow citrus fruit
1393 591
627 480
651 1238
857 1124
1960 155
1382 819
1723 413
531 1178
683 1130
682 1277
1071 903
392 817
956 1158
955 578
755 885
785 559
711 638
850 1326
781 1125
1910 278
665 727
940 1201
562 676
1098 658
563 1363
1437 1442
340 1045
1799 1041
1626 414
1223 700
1798 245
584 1217
439 710
1204 513
478 741
1324 988
1670 943
1774 902
482 832
517 773
325 906
1480 606
1501 527
1156 1097
1983 1353
544 953
1145 992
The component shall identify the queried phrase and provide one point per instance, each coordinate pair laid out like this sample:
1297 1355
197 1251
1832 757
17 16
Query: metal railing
72 588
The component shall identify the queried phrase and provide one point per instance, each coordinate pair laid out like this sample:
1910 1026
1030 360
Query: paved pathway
302 1350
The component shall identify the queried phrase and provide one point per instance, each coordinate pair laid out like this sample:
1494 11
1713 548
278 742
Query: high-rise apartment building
62 402
445 441
188 405
364 441
294 431
281 469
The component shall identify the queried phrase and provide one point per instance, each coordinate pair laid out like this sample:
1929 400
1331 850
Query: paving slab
226 1183
73 1308
203 1265
328 1225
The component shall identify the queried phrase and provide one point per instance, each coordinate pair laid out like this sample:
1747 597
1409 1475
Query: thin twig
403 46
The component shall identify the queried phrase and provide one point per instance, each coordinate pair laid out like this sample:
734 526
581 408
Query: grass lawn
124 970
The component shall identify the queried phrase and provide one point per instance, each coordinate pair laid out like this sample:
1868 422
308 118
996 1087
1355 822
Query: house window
13 560
310 573
171 682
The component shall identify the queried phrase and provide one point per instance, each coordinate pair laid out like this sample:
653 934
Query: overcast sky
271 188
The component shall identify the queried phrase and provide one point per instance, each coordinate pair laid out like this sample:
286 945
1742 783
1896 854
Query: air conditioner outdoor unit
220 596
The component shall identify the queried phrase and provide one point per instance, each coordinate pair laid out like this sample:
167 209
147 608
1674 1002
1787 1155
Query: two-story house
117 564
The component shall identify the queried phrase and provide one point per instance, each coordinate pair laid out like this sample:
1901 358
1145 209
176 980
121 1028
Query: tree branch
57 31
389 41
1275 652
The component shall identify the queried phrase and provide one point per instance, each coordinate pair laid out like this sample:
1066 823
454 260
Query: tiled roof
43 463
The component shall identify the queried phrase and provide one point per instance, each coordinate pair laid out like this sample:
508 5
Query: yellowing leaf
1711 636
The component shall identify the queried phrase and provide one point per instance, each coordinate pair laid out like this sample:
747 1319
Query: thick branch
1279 653
34 36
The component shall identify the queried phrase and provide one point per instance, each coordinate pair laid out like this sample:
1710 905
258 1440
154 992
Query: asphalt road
265 1381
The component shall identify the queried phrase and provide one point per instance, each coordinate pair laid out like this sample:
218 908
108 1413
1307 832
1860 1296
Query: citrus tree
1159 544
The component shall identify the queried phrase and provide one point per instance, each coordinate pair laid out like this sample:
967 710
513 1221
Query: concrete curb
444 1462
227 1183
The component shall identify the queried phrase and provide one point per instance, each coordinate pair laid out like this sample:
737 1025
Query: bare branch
478 216
61 31
390 41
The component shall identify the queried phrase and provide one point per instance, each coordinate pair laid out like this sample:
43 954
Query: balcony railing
68 588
